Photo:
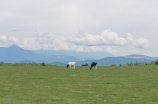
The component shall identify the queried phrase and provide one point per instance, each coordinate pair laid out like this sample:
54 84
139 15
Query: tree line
139 63
24 64
44 64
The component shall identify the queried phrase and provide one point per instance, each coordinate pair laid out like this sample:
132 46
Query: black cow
93 64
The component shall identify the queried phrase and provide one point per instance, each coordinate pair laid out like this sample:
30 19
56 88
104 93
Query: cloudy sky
119 27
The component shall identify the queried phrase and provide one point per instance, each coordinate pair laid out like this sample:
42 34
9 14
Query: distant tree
156 63
113 65
131 64
139 63
1 64
17 64
127 64
85 64
136 64
24 64
43 64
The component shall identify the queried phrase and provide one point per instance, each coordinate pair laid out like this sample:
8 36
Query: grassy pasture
56 85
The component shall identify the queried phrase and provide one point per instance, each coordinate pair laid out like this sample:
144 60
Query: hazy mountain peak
15 54
135 56
138 56
15 47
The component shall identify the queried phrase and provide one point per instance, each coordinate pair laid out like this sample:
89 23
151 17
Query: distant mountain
107 61
90 55
137 56
27 61
14 54
58 63
121 60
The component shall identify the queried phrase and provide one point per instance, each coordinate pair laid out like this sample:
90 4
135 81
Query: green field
56 85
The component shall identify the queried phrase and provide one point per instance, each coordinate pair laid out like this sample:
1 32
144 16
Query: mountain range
15 54
90 55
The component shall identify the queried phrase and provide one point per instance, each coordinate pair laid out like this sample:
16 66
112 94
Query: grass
56 85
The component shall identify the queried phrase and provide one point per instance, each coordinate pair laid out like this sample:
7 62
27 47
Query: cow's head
67 66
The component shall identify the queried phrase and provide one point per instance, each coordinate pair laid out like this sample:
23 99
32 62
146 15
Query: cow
93 64
70 64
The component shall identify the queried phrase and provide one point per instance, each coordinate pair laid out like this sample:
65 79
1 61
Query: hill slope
107 61
14 54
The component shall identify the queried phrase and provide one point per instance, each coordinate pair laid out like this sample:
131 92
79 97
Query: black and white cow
93 64
70 64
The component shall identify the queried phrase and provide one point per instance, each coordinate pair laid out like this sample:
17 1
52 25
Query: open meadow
56 85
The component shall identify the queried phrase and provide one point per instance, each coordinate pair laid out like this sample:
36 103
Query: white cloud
138 43
7 41
88 40
3 38
112 38
109 38
63 18
129 38
108 41
13 40
141 43
30 43
60 45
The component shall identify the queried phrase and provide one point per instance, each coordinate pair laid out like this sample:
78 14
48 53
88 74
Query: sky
118 27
